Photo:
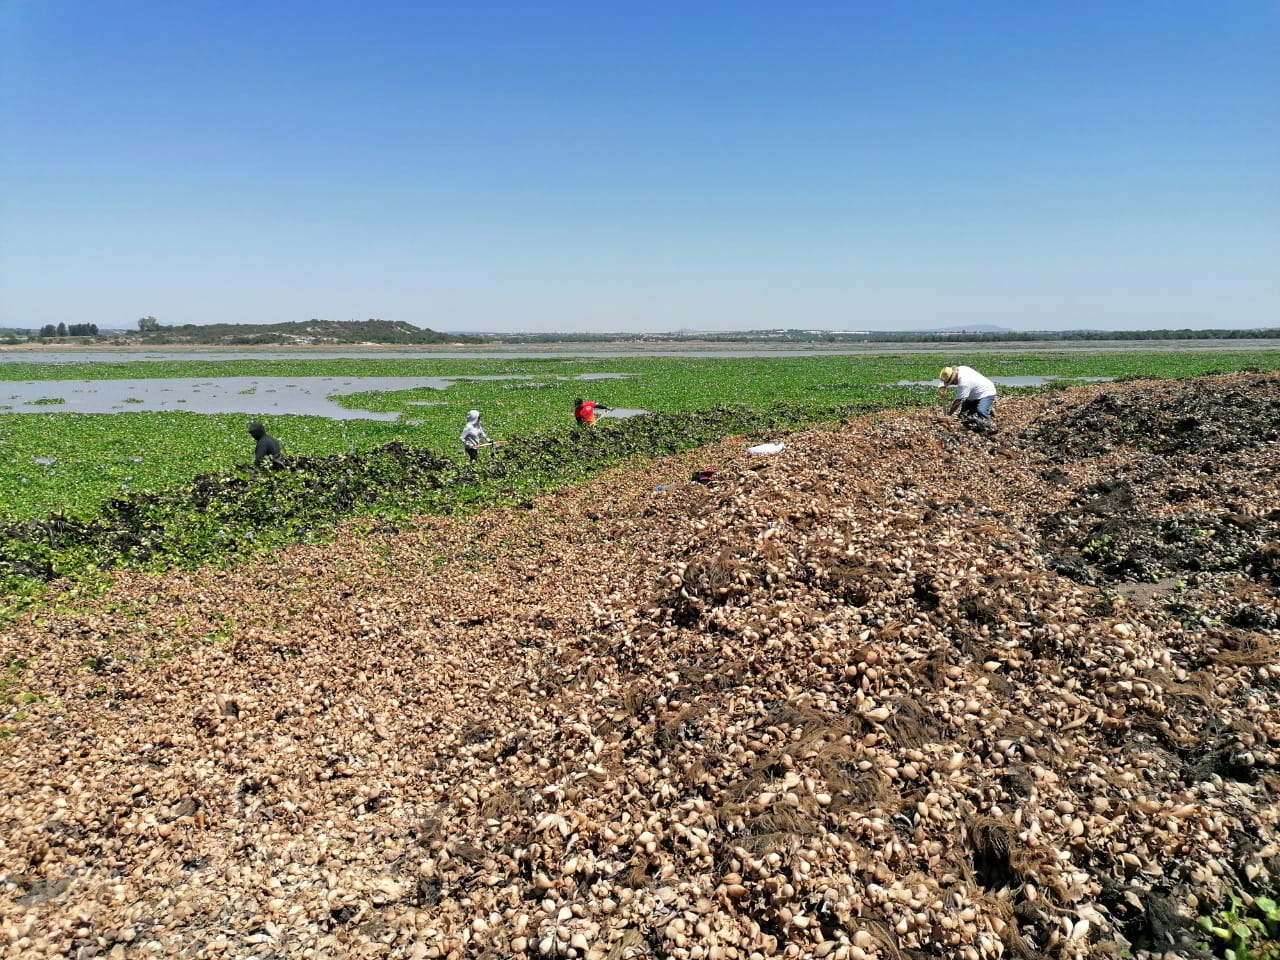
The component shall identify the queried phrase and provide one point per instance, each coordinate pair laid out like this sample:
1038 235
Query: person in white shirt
473 435
975 394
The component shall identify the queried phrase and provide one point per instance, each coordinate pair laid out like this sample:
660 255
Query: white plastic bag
760 449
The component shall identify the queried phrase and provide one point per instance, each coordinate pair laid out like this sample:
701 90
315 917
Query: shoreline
51 352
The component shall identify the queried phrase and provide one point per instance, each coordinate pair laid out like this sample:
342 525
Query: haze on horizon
645 167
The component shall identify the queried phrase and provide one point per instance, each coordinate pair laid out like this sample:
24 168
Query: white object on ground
763 448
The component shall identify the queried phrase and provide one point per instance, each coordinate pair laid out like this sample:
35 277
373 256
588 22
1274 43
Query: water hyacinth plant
86 492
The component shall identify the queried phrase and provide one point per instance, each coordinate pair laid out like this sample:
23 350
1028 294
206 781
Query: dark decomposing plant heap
891 693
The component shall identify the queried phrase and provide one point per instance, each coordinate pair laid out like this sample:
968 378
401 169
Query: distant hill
301 332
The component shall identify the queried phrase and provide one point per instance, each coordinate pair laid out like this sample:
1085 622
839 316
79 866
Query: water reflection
622 413
307 396
613 349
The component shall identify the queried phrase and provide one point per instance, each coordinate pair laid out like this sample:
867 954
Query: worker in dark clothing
266 447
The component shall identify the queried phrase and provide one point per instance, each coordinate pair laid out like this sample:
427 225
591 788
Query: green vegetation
12 697
1245 928
714 375
82 493
220 516
73 463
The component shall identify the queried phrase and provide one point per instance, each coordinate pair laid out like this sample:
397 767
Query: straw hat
946 373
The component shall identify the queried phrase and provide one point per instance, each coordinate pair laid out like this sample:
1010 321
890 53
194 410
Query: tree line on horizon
887 336
400 332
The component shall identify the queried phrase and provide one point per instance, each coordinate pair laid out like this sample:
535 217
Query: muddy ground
903 690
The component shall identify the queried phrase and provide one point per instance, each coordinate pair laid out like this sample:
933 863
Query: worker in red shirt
584 411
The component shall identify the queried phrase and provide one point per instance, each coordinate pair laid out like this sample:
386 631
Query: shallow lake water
622 413
311 396
588 351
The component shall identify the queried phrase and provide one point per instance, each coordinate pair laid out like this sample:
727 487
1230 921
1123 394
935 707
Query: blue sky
645 166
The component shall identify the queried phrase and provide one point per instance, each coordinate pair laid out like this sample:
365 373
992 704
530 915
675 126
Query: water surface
568 351
308 396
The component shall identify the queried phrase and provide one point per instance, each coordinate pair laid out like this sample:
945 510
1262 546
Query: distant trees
72 330
148 324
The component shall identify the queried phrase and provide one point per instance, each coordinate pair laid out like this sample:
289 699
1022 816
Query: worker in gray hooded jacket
473 435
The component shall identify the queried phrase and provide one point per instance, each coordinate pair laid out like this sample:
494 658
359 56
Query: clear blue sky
650 166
